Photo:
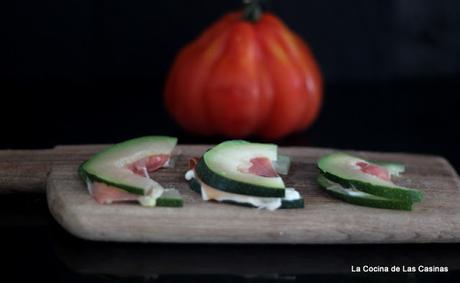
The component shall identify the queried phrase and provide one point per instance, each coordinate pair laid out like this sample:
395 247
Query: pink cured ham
193 162
106 194
375 170
149 164
261 166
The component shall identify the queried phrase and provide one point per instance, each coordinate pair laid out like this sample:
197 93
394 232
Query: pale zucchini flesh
110 166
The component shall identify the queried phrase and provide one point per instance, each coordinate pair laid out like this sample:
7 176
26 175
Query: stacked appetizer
237 172
366 183
243 173
121 172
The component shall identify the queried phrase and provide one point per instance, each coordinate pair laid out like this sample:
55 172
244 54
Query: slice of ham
375 170
106 194
193 162
260 166
149 164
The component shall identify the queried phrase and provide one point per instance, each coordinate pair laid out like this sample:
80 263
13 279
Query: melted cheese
189 175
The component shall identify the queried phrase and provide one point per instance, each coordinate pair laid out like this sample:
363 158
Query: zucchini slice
353 196
395 169
282 164
225 167
207 192
169 198
111 166
345 170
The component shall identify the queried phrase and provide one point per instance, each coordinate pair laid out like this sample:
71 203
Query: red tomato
242 78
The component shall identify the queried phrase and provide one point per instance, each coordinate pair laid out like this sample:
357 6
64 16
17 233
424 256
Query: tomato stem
252 10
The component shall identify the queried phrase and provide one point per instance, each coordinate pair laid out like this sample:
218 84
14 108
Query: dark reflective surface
38 249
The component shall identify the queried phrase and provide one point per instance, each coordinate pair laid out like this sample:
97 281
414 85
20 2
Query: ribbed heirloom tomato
245 77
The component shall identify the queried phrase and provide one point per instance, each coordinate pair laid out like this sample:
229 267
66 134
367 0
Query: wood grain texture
323 220
26 171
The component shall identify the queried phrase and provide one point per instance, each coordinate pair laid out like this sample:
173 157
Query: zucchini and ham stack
243 173
121 172
365 183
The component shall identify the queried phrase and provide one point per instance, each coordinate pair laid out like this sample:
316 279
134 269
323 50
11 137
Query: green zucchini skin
368 200
169 202
170 198
194 185
288 204
405 195
285 204
94 178
231 186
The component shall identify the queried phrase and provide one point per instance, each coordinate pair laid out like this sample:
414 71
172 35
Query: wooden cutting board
323 220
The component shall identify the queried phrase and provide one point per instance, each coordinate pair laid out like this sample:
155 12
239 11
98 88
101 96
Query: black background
94 71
